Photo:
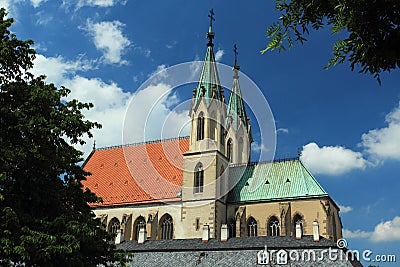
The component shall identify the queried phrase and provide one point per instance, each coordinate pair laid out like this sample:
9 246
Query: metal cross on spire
235 51
211 16
210 33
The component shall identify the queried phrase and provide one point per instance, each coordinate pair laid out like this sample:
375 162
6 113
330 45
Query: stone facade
189 218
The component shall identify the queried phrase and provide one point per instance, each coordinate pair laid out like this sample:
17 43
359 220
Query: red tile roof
149 172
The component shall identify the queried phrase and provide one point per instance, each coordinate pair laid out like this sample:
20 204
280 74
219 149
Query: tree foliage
44 216
372 28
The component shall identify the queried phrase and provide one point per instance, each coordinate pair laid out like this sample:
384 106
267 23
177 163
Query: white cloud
36 3
345 209
384 143
43 18
111 103
145 51
39 47
355 234
100 3
282 130
219 54
104 96
171 45
331 160
383 232
6 4
378 145
151 115
10 6
160 73
109 100
109 39
256 147
195 67
387 231
57 68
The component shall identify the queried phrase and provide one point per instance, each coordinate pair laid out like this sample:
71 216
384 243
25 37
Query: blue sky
345 124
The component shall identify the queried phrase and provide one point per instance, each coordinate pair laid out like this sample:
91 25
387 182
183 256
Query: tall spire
209 85
236 111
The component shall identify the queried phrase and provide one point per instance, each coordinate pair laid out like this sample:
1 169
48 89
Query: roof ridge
142 143
304 178
264 161
312 177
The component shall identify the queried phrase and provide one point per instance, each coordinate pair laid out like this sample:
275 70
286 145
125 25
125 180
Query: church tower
206 164
239 138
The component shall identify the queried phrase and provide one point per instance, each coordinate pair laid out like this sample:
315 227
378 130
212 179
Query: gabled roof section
236 111
278 180
139 173
209 85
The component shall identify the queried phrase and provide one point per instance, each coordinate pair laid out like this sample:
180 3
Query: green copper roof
276 180
236 110
209 79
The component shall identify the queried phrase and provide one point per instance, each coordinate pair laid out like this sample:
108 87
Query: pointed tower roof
236 110
209 85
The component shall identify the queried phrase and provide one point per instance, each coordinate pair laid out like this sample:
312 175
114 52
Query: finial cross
211 16
236 53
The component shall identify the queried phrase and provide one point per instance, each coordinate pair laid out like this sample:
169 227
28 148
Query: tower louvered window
200 127
198 178
212 127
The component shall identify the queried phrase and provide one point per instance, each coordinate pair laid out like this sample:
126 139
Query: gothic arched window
252 227
273 227
198 178
167 227
200 126
140 223
297 219
229 149
114 225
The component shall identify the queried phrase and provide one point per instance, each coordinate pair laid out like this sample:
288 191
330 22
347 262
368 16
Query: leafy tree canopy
372 28
44 216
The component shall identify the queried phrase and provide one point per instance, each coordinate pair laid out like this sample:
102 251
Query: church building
205 186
